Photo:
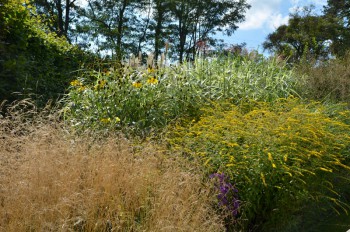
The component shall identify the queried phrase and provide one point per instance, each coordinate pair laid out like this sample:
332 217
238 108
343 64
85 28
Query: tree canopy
311 35
129 26
338 12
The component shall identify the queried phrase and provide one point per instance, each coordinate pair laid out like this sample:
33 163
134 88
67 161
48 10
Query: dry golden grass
50 181
329 81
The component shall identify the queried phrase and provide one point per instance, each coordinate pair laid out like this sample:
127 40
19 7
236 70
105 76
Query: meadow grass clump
139 100
327 81
52 181
279 155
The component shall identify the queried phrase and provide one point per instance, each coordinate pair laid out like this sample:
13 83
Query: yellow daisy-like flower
137 84
81 88
150 69
152 81
76 83
100 84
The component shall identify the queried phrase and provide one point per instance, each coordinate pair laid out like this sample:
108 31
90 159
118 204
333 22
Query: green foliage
110 25
280 156
308 35
196 21
58 15
149 99
122 27
34 60
338 11
305 36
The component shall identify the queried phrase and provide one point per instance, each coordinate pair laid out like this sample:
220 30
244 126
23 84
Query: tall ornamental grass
143 99
278 155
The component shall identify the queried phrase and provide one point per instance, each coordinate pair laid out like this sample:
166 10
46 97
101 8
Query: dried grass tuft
50 181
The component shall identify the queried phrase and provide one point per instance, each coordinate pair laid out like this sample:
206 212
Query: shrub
279 155
34 61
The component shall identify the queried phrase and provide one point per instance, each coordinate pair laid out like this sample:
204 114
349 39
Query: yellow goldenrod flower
263 179
207 161
273 165
270 156
105 120
137 84
326 169
152 81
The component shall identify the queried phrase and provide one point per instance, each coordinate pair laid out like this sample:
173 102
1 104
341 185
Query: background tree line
122 27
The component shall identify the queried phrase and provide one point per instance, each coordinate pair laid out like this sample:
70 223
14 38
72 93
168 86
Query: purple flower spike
228 194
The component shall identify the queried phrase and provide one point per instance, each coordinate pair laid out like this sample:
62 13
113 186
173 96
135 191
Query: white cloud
261 14
267 14
277 20
254 21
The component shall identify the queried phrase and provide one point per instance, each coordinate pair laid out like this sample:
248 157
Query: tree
59 14
305 35
338 11
199 19
161 20
111 24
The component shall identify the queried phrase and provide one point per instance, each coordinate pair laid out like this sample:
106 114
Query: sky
264 17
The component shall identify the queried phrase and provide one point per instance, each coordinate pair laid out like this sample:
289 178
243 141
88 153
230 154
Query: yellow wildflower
81 88
117 119
152 81
263 179
137 84
105 120
326 169
150 69
100 84
76 83
270 156
207 162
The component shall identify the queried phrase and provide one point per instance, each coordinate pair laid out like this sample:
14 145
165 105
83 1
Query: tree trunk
60 18
119 52
66 22
157 36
